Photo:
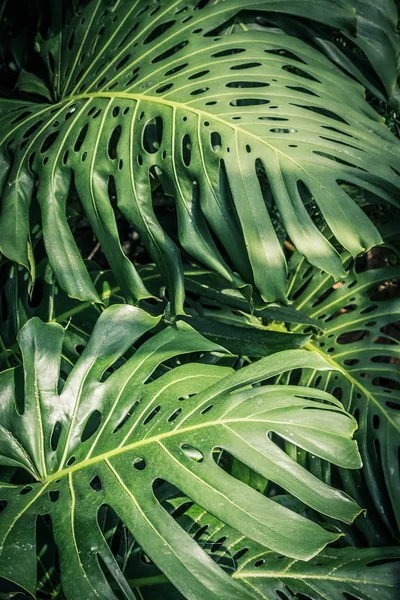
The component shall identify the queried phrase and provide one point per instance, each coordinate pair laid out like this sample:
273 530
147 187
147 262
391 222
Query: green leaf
89 443
371 56
246 341
50 303
362 573
145 93
360 339
32 84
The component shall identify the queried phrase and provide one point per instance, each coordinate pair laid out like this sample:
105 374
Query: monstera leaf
360 573
357 334
95 441
361 339
146 94
371 56
50 303
336 573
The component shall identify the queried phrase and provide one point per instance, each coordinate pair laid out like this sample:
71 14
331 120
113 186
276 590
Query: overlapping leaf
147 93
205 308
371 56
347 572
90 443
361 338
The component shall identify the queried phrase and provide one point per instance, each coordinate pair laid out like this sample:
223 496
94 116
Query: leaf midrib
152 440
284 575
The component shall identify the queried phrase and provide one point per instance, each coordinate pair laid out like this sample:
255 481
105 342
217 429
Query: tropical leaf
147 93
358 319
360 573
335 574
89 443
358 334
206 294
371 56
361 338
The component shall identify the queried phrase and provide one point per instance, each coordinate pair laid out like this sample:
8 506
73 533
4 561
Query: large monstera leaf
92 441
354 326
371 56
361 338
336 573
143 93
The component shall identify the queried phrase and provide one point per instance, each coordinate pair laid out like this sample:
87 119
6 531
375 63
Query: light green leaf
336 573
90 442
144 94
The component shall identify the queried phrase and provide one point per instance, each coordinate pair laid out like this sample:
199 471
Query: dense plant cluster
199 316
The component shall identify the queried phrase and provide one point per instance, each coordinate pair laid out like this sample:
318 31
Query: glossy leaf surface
91 442
336 573
145 95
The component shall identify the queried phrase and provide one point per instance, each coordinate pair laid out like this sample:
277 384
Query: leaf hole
127 416
164 88
139 464
122 62
172 51
248 102
351 362
174 415
322 111
186 149
70 113
92 425
113 142
259 563
49 141
175 70
216 141
247 84
152 135
55 436
229 52
199 91
218 545
81 138
286 54
199 74
95 484
240 553
159 30
248 65
151 415
54 495
192 453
